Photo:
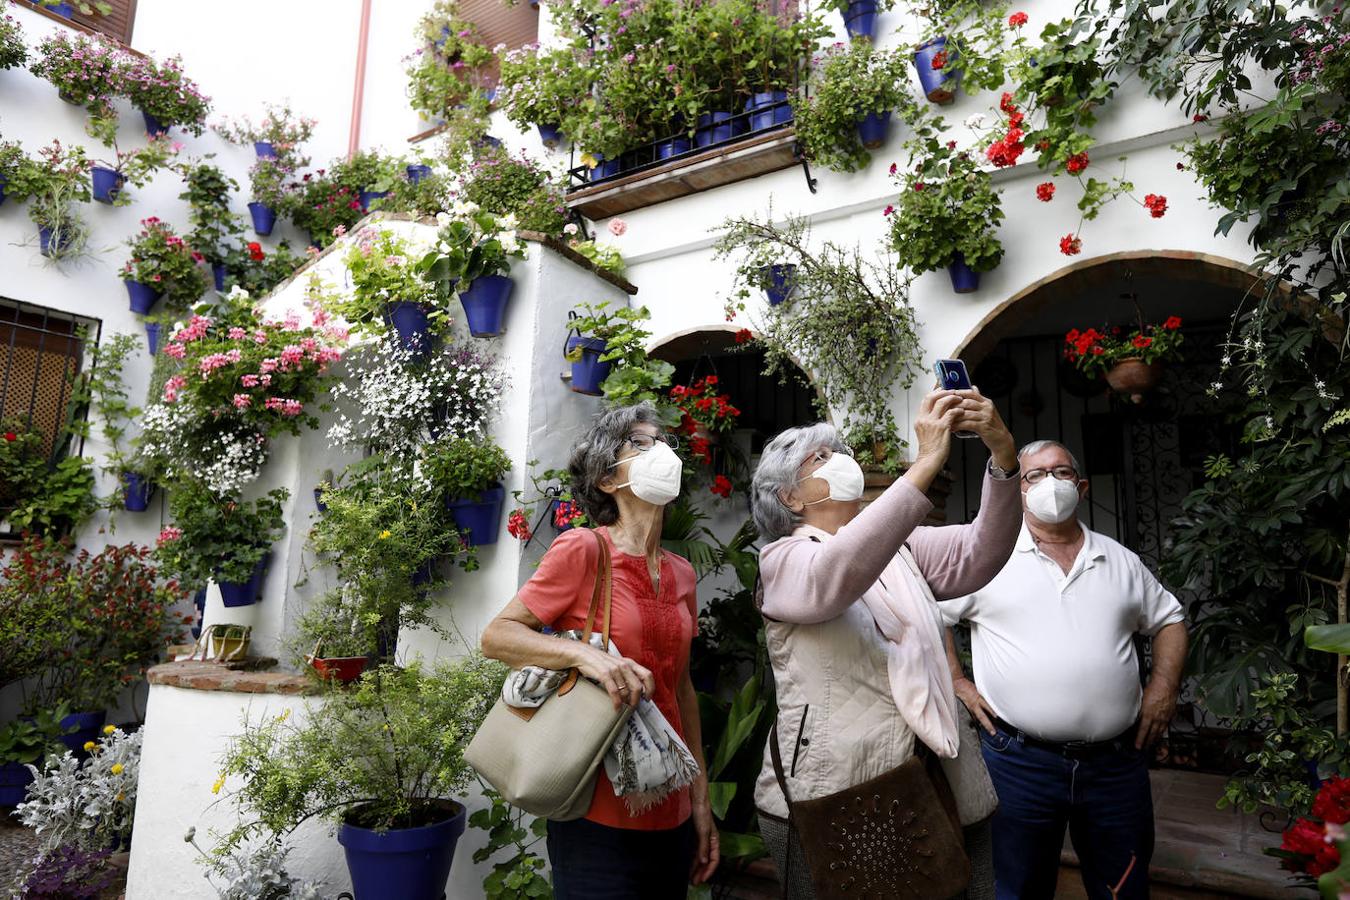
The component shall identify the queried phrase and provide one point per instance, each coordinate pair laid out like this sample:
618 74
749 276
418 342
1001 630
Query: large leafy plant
471 243
635 376
218 538
163 261
848 83
462 468
164 91
382 266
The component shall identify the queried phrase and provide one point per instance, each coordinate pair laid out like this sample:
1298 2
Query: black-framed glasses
1063 473
644 442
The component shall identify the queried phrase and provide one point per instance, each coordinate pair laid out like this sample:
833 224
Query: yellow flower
220 783
89 746
285 714
121 796
109 729
117 768
386 534
589 161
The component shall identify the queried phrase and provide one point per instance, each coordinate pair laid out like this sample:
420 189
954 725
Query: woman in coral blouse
648 843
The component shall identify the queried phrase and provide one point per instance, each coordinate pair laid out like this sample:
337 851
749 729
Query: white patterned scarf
647 761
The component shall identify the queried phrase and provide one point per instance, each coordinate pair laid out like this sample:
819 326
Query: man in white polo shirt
1068 727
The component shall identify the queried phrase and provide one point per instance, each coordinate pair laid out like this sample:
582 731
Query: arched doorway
1142 459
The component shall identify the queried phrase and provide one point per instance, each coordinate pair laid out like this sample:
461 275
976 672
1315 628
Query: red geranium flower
1006 104
744 336
1142 342
1076 163
1172 323
255 251
518 526
1070 245
1333 801
11 436
939 59
1045 191
888 210
1308 839
1017 20
1157 205
721 486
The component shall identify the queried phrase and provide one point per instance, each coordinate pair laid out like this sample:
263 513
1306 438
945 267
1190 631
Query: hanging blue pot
860 19
588 373
485 304
246 593
87 725
713 128
551 135
107 184
153 126
964 279
319 503
781 278
417 172
479 521
412 324
136 491
3 182
14 781
402 863
152 337
64 10
218 273
938 86
50 243
872 129
672 147
553 508
488 140
264 149
369 197
768 108
143 297
264 217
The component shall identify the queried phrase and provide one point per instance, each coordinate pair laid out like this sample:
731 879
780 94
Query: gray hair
777 473
595 454
1038 446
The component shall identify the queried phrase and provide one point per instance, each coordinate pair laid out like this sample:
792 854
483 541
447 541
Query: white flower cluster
231 461
257 873
226 462
90 804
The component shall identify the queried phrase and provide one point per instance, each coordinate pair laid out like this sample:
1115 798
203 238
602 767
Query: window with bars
41 356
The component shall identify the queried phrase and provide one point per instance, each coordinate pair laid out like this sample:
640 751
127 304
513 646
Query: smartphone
952 376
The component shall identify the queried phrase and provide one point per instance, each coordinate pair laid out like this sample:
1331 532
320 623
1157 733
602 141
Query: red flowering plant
1095 351
977 35
163 261
322 205
1314 846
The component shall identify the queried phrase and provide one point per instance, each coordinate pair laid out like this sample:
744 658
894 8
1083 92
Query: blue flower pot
479 521
485 304
107 184
264 218
319 504
767 109
264 149
143 297
589 372
872 129
713 128
64 10
218 273
369 197
938 86
553 516
860 19
782 279
551 135
417 172
672 147
411 324
50 243
402 863
199 601
136 491
604 168
152 337
3 182
246 593
87 726
14 781
964 279
154 127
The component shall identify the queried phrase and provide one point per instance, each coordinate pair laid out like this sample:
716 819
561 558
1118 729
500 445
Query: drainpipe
359 89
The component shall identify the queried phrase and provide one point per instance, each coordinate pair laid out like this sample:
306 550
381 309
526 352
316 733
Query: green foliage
847 84
635 378
604 256
222 539
1062 82
280 126
28 743
380 754
451 65
472 243
108 392
383 270
207 192
87 70
516 187
463 468
32 613
52 183
426 197
60 501
538 86
521 875
137 167
164 262
13 50
256 271
976 33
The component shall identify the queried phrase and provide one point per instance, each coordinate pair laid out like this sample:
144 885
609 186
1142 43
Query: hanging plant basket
1134 377
153 126
938 86
412 325
860 19
52 244
142 297
965 280
872 129
479 520
264 218
588 373
551 135
107 184
235 594
136 491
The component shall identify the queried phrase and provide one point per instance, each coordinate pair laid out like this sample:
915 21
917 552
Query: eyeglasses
820 456
645 442
1063 473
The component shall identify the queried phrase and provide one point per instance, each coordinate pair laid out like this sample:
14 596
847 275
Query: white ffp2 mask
654 475
1051 500
844 476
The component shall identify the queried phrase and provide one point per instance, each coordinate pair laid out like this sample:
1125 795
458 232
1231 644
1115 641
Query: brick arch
1083 276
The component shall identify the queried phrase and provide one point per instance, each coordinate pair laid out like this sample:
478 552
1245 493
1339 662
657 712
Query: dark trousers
597 862
1103 798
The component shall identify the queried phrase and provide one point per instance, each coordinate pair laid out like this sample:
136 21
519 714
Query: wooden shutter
40 354
514 26
117 24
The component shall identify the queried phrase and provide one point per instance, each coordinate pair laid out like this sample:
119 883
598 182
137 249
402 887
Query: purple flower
629 57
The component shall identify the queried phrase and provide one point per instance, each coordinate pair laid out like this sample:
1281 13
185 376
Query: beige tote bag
544 760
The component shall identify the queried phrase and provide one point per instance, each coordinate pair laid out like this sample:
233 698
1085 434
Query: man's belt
1071 749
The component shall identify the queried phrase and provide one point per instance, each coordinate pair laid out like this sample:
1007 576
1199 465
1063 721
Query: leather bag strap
604 586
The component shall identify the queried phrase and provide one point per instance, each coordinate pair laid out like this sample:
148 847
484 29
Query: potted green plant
272 192
161 265
397 822
11 159
225 540
388 291
450 68
137 167
214 227
948 211
963 42
256 271
86 70
25 743
609 356
334 639
165 96
52 183
468 473
369 174
855 90
36 494
107 392
1131 359
280 134
538 87
13 50
515 186
474 251
554 488
324 206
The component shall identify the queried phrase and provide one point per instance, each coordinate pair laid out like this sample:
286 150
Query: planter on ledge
860 19
143 297
484 304
342 669
780 278
715 127
767 109
965 280
588 373
369 197
153 126
872 129
672 147
234 593
136 491
417 172
264 218
412 325
1134 377
264 150
938 86
551 135
107 184
604 168
403 863
480 520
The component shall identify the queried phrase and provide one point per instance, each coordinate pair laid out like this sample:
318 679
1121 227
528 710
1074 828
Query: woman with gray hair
623 472
852 629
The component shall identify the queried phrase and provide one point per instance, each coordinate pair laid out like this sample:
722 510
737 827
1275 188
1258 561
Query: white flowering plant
382 267
89 805
253 872
472 243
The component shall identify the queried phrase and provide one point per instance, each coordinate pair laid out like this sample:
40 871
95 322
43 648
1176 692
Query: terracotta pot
341 668
1134 377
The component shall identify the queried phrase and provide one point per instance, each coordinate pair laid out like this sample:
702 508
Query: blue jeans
596 862
1104 800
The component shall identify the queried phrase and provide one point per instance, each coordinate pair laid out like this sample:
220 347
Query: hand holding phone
952 376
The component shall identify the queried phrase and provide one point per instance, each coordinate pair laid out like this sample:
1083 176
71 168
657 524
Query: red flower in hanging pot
721 486
1070 245
518 526
1045 191
1143 343
1076 163
939 59
1172 323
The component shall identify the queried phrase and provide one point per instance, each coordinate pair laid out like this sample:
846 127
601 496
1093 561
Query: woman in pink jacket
852 629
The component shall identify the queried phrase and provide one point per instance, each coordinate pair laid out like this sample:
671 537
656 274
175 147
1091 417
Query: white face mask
654 475
844 476
1051 500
